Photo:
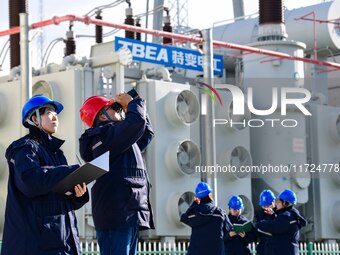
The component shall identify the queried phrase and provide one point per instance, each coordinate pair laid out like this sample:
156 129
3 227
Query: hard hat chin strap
38 119
108 116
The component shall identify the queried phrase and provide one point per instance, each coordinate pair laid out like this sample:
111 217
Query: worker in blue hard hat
267 203
236 243
285 227
209 223
37 219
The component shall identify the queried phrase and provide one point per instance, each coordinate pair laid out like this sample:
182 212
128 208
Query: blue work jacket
37 220
209 225
238 245
284 230
262 237
121 197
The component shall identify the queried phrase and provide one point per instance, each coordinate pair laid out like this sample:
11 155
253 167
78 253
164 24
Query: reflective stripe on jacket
37 220
209 225
121 197
285 230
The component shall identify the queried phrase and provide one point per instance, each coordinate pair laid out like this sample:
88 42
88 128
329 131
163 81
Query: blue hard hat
36 102
202 190
266 197
236 203
288 195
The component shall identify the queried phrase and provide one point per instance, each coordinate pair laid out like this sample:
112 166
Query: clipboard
245 227
87 173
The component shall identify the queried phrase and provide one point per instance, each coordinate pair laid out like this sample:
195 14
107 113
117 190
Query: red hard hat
91 108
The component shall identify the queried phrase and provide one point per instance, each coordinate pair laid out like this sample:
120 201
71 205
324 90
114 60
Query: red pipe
274 54
87 20
11 31
314 29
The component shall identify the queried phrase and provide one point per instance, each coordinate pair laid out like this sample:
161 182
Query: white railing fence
170 248
90 247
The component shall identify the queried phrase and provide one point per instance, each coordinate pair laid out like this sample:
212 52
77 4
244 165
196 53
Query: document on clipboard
245 227
87 173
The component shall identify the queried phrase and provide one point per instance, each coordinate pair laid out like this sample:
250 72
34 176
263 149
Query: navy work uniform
262 236
237 245
121 198
285 228
209 223
38 221
267 203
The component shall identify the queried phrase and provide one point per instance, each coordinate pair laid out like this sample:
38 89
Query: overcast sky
201 14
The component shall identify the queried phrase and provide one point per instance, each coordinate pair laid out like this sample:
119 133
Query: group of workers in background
40 221
276 227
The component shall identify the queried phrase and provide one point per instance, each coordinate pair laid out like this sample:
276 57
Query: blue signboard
167 55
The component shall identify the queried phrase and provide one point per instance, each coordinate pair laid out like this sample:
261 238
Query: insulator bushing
167 28
129 21
15 8
271 12
138 35
99 30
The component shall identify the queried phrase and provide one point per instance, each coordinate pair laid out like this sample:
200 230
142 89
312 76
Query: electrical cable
49 49
4 47
113 31
157 9
3 60
102 7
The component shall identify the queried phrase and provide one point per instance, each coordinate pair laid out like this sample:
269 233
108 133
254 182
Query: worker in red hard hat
120 199
91 108
39 220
